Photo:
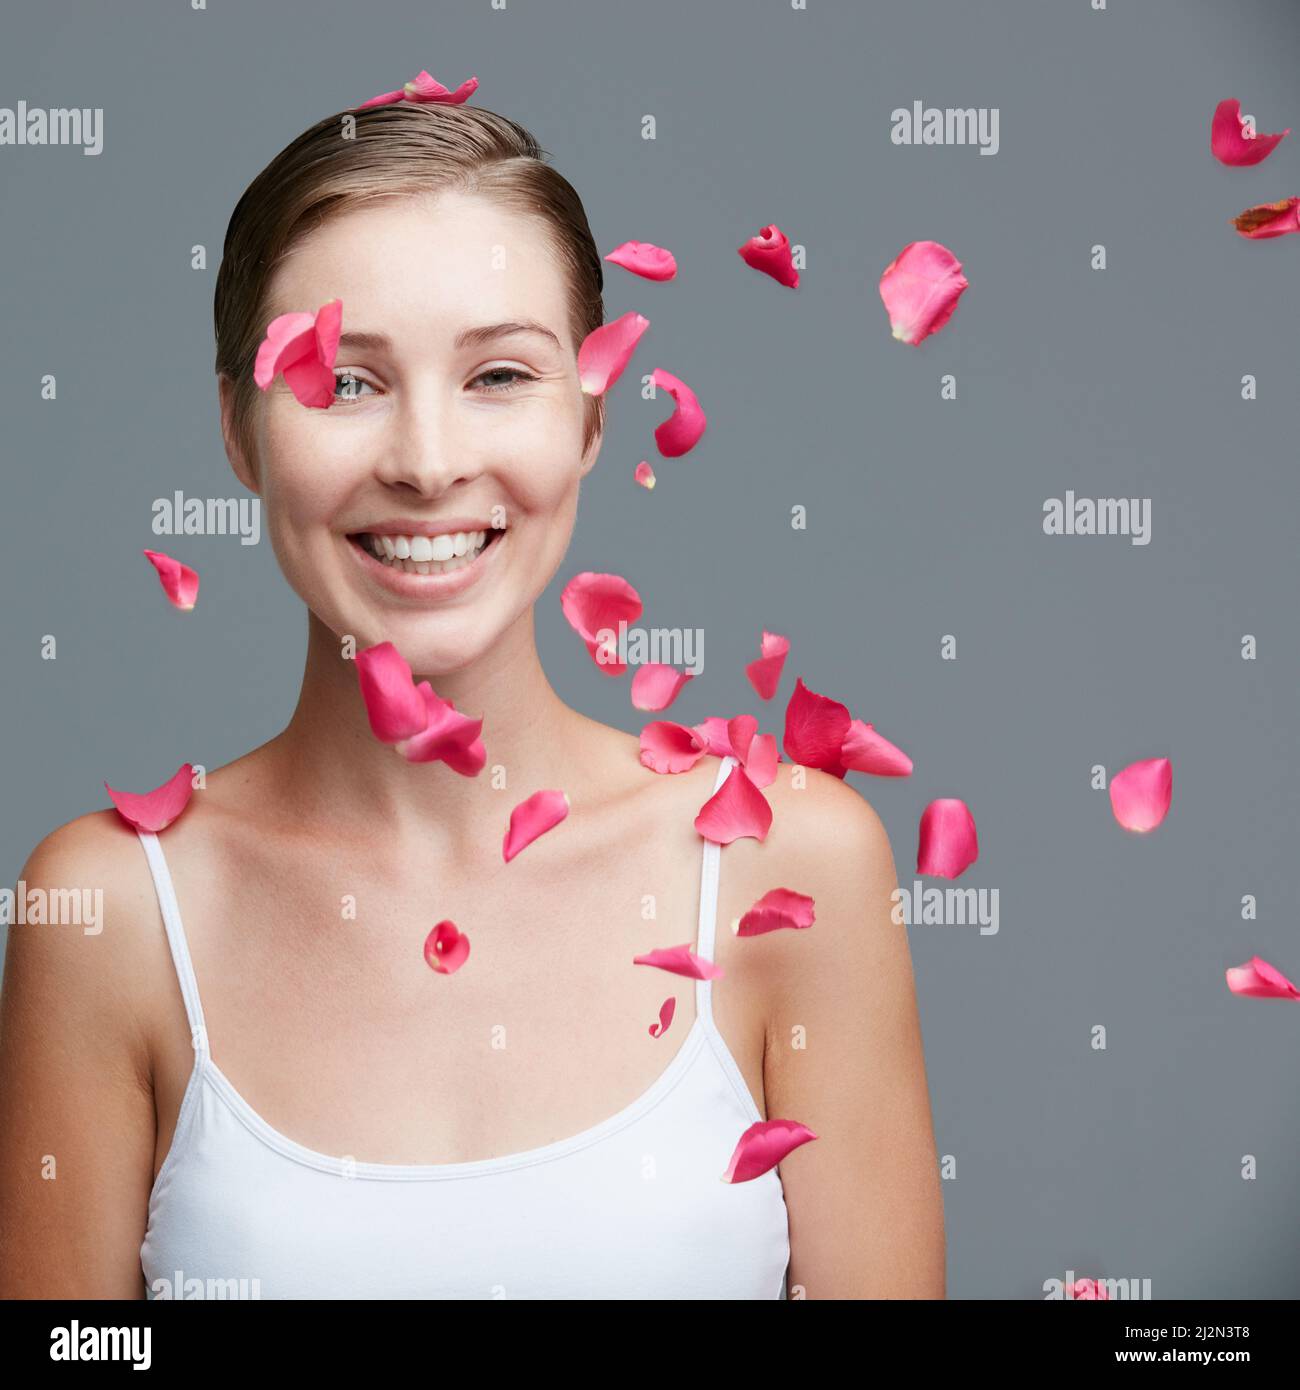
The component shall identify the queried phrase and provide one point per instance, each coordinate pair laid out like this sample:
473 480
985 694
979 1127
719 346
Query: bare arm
864 1200
77 1125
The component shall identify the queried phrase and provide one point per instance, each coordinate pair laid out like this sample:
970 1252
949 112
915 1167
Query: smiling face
433 501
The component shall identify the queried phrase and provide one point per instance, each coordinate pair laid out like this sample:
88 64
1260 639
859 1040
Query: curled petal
777 908
864 750
668 747
645 475
606 350
656 686
680 960
446 949
765 673
302 348
762 1146
681 431
715 732
740 734
921 287
1229 142
180 583
645 259
448 736
595 604
395 708
815 729
948 844
769 252
1088 1289
761 761
666 1011
424 88
1140 794
154 811
532 818
1259 980
1269 219
737 810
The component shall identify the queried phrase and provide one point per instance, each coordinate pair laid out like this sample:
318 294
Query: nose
426 451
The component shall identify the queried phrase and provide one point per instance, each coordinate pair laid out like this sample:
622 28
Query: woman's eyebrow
469 337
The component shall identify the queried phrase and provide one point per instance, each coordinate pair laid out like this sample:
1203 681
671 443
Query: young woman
314 1108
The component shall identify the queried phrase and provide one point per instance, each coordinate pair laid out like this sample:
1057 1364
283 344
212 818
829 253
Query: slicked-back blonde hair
404 148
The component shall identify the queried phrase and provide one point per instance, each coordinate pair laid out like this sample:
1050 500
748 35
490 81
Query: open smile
431 566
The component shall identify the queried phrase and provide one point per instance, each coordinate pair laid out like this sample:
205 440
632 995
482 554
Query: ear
234 452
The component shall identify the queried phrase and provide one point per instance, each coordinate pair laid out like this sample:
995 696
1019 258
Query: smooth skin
333 1029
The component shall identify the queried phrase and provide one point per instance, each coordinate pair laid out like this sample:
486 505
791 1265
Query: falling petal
448 736
921 287
1229 142
666 1011
765 673
681 431
645 475
541 812
1269 220
769 252
737 810
761 761
714 732
815 729
154 811
605 351
680 960
864 750
762 1146
776 909
667 747
1140 794
740 734
395 708
645 259
302 348
1088 1289
595 604
948 843
180 583
424 88
1259 980
446 949
655 686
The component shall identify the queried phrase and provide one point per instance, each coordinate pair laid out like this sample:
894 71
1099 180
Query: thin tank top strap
171 915
709 869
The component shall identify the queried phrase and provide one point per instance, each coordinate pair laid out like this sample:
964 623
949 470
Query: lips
415 553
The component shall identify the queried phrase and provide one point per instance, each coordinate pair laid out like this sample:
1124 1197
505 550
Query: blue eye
347 386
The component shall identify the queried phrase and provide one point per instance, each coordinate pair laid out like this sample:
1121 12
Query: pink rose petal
680 960
424 88
1088 1289
765 673
864 750
645 259
921 287
448 736
815 729
1269 220
180 583
681 431
302 348
645 475
667 747
655 686
762 1146
737 810
1140 794
606 350
776 909
740 734
541 812
595 604
1229 142
666 1011
1259 980
446 949
714 731
769 252
761 761
948 843
395 708
154 811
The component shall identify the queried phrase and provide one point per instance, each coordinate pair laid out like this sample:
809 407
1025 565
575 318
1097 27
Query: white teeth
428 554
421 548
443 549
403 551
389 548
462 542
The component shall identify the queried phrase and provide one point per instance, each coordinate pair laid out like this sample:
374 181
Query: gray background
924 515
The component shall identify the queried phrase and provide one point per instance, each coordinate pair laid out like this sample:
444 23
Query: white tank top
631 1208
